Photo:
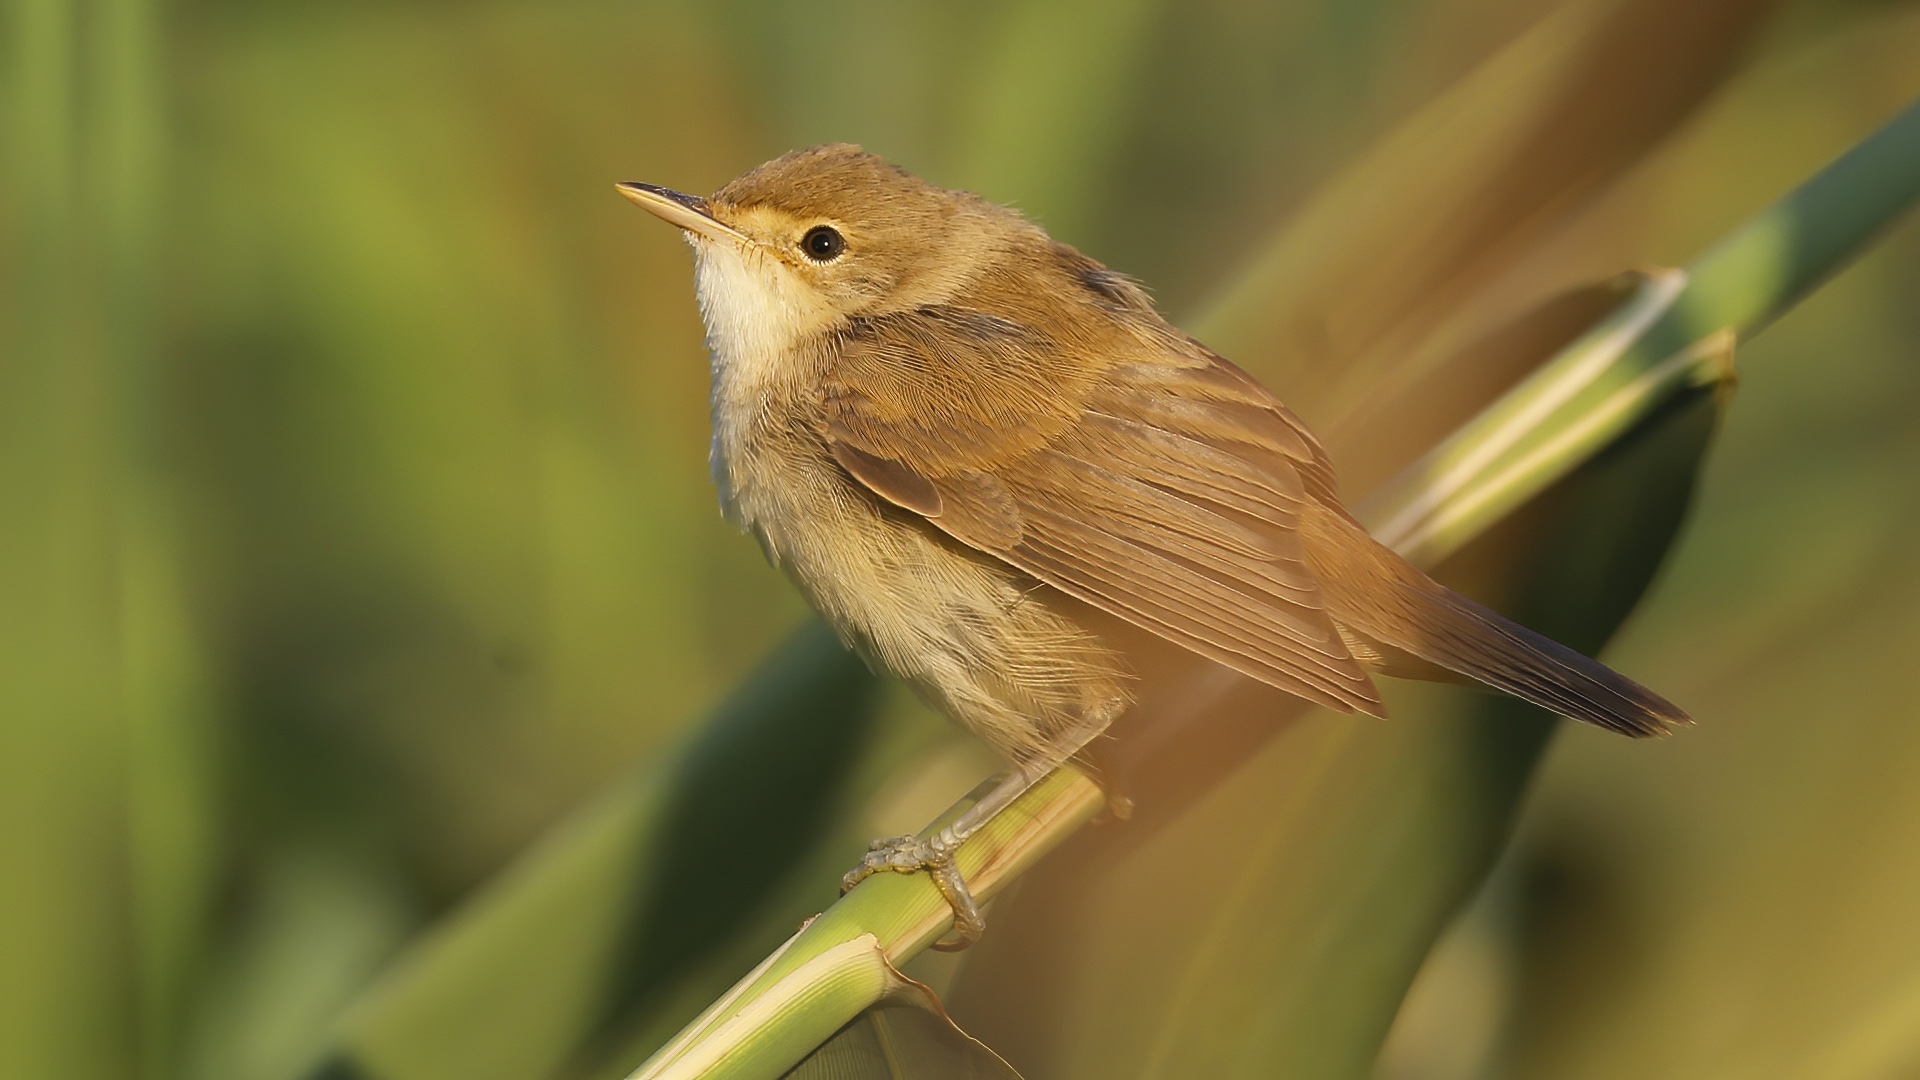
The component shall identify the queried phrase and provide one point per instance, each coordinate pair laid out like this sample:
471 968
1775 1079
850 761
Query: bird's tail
1402 608
1463 636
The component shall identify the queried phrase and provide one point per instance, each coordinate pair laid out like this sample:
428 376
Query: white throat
755 308
758 313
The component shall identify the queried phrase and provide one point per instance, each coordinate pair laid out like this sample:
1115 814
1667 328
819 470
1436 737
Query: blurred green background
354 520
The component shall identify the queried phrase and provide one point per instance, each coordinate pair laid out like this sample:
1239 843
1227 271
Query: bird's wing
1165 488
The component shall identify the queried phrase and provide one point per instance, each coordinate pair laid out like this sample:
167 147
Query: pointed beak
690 212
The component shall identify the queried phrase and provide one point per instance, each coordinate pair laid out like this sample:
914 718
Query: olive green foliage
361 589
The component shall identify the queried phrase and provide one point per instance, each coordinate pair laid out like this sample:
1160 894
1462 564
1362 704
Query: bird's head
822 235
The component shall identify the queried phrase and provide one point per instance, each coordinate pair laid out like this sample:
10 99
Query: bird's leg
906 854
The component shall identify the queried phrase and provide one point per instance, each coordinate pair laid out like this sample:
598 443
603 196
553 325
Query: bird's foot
908 854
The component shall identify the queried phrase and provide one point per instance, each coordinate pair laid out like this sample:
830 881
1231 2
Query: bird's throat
761 320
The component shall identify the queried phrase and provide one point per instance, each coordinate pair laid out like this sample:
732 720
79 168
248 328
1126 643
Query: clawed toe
909 854
896 854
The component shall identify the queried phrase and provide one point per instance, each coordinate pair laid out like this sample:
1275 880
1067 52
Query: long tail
1380 595
1476 641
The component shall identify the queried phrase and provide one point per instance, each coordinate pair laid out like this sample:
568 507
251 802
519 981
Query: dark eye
823 243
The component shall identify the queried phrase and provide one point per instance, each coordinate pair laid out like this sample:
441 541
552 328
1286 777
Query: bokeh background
355 523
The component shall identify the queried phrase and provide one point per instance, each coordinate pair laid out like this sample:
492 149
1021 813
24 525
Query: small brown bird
972 446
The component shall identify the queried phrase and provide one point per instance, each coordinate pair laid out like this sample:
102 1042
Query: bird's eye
823 243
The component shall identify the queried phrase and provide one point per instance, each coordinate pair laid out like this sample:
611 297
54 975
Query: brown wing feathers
1145 512
1172 491
1205 608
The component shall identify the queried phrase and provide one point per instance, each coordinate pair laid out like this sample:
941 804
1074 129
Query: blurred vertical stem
1046 109
63 1006
88 637
168 802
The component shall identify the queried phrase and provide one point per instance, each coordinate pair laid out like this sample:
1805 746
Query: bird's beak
690 212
